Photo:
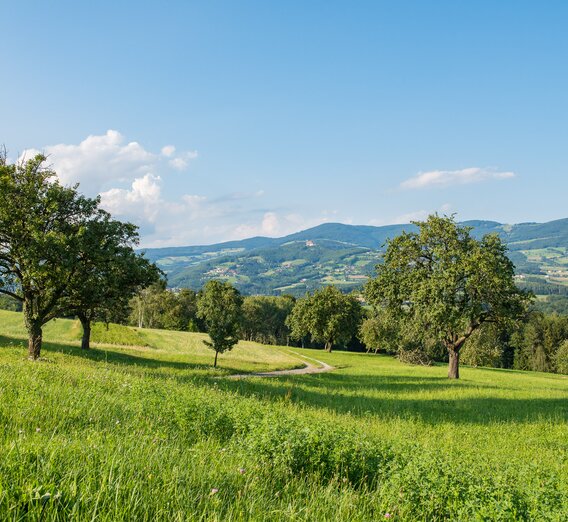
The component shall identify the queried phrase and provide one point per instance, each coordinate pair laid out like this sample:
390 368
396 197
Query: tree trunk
34 340
454 364
86 339
328 347
216 354
33 326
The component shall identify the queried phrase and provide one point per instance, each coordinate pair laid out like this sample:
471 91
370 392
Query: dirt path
307 369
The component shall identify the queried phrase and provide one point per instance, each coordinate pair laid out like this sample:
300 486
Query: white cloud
417 215
168 151
273 224
133 183
178 163
142 200
101 161
445 178
182 161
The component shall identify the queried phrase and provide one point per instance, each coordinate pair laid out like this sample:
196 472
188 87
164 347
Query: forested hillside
345 255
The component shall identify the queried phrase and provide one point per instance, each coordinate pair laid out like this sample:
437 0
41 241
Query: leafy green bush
562 358
299 447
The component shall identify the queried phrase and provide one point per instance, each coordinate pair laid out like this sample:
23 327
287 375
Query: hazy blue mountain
345 255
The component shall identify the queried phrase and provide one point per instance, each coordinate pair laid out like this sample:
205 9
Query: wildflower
38 430
117 422
242 471
388 515
213 491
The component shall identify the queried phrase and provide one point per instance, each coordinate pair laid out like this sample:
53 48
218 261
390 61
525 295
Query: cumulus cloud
445 178
134 185
101 161
142 200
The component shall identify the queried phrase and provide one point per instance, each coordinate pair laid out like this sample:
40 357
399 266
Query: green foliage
536 343
42 225
443 284
379 331
561 358
485 346
109 273
551 304
264 318
220 306
156 307
327 315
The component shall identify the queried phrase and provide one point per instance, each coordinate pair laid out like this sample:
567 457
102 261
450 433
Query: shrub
562 358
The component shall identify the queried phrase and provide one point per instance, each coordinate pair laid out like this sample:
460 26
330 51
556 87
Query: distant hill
345 255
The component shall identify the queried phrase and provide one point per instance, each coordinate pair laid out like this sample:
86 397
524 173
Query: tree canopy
327 316
220 306
109 273
42 224
442 284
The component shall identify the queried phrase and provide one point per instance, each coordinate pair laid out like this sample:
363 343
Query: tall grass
147 434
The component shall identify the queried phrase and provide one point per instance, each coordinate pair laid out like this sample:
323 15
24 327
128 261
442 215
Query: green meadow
141 427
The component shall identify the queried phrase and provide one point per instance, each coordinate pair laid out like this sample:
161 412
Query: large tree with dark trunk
41 225
443 284
110 273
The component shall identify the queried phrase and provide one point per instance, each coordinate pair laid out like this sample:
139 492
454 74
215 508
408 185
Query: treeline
539 343
323 319
440 294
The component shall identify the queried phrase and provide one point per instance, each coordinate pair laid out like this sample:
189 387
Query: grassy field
147 432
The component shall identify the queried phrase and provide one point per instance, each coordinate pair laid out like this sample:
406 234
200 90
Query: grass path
308 369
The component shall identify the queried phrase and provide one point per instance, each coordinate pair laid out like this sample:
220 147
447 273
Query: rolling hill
345 255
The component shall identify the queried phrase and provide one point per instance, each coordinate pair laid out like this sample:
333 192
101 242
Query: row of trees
438 288
61 254
439 292
539 344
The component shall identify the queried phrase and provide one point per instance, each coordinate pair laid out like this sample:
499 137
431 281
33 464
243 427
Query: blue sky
208 121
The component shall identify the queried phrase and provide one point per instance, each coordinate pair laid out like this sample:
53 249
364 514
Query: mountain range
346 255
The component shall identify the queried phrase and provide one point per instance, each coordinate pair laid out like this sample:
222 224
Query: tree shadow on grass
403 399
100 354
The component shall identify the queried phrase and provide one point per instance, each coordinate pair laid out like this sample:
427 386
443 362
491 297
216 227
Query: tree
328 316
378 331
264 318
562 358
110 272
443 284
537 341
219 305
158 307
41 226
485 347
